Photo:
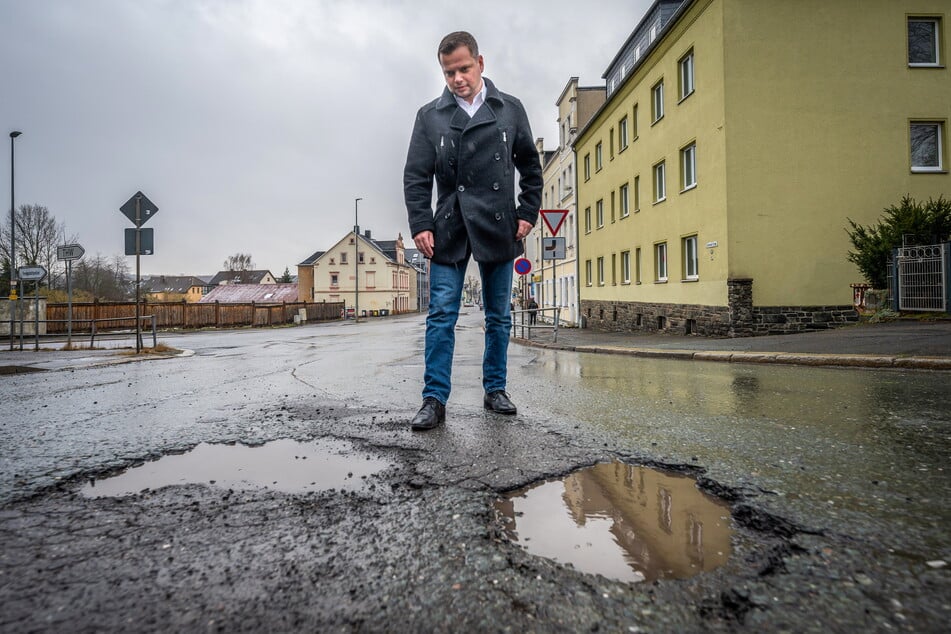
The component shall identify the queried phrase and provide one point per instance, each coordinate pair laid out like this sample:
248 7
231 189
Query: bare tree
241 265
103 278
38 234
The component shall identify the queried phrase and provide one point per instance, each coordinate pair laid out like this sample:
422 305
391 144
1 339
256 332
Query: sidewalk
902 344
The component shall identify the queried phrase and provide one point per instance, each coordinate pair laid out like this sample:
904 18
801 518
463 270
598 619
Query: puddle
622 521
19 369
284 465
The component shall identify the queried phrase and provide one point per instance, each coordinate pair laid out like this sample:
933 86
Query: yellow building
555 282
387 282
736 139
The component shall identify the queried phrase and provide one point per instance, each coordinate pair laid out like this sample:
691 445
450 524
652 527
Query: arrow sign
554 218
31 273
69 252
147 209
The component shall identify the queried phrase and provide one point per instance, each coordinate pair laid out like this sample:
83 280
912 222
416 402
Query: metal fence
922 276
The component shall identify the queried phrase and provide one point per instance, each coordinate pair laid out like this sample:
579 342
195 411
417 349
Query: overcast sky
254 124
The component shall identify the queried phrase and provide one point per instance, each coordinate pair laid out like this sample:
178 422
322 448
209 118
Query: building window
360 257
343 257
660 262
637 193
924 35
927 146
691 259
599 213
686 75
657 101
587 272
334 280
601 271
660 182
587 219
622 134
598 157
688 167
587 167
637 265
625 201
614 269
371 279
634 123
625 267
611 144
613 213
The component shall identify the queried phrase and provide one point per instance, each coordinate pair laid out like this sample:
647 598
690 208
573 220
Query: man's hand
524 228
425 243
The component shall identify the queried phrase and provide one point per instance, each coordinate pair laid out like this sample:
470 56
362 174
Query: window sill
685 97
627 283
689 279
924 170
657 120
939 65
660 200
625 216
664 281
687 189
622 149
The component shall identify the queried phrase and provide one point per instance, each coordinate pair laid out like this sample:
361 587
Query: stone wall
28 315
740 319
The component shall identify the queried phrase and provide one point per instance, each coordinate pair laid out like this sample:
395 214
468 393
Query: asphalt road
836 479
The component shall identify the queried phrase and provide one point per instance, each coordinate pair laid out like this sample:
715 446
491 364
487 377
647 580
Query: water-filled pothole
285 465
622 521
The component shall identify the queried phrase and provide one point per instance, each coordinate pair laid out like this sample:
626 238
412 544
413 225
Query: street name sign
69 252
31 273
554 218
147 209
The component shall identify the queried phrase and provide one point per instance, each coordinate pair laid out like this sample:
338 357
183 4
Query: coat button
498 216
498 156
462 188
495 186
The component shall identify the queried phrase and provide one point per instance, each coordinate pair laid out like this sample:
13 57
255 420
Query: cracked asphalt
836 478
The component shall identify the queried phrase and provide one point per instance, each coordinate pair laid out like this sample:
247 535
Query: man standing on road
470 140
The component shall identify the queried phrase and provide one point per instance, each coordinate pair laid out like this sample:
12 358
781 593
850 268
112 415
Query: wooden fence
185 315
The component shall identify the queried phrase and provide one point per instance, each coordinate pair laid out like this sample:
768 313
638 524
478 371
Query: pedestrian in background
470 141
532 311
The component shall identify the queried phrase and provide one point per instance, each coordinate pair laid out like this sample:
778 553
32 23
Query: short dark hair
456 39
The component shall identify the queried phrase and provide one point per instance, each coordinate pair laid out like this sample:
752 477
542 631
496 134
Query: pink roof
246 293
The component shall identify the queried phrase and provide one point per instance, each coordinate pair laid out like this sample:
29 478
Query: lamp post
13 240
356 260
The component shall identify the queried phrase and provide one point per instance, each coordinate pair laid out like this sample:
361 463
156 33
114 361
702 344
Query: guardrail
526 321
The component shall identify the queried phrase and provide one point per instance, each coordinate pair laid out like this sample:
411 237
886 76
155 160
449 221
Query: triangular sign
554 218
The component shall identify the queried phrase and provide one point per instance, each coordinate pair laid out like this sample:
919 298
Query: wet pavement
835 479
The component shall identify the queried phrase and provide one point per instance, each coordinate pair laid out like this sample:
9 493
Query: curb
783 358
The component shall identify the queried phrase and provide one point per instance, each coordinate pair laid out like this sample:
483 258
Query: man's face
463 72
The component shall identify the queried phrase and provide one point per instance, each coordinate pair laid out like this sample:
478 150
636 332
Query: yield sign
554 219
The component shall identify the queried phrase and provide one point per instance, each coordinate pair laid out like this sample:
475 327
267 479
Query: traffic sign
146 242
554 218
553 248
69 252
31 273
523 266
147 209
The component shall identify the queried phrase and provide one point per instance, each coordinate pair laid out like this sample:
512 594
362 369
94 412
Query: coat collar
460 120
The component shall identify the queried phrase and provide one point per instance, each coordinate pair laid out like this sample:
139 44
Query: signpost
69 252
553 248
33 274
139 209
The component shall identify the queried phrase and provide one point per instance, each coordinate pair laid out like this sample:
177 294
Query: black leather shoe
499 402
430 415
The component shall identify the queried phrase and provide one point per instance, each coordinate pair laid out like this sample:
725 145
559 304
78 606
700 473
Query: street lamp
356 260
13 240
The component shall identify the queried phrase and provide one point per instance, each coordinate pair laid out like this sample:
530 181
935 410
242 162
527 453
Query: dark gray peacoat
473 162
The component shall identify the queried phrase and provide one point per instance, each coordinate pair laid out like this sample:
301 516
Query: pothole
283 465
622 521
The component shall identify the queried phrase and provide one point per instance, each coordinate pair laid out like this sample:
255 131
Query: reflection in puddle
621 521
284 465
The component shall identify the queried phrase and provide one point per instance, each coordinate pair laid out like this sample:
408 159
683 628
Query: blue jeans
445 294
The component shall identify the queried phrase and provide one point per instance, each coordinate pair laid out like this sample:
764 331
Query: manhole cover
283 465
622 521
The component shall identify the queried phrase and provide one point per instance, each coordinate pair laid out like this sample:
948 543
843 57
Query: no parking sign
523 266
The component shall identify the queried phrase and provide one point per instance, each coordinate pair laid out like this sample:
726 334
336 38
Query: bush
927 223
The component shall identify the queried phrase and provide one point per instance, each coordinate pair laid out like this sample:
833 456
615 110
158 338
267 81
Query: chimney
366 234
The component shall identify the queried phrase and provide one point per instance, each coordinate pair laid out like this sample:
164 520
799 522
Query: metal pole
138 248
36 316
69 304
356 260
13 241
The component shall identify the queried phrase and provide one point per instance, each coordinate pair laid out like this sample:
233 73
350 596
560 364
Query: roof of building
258 293
313 258
170 283
239 277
